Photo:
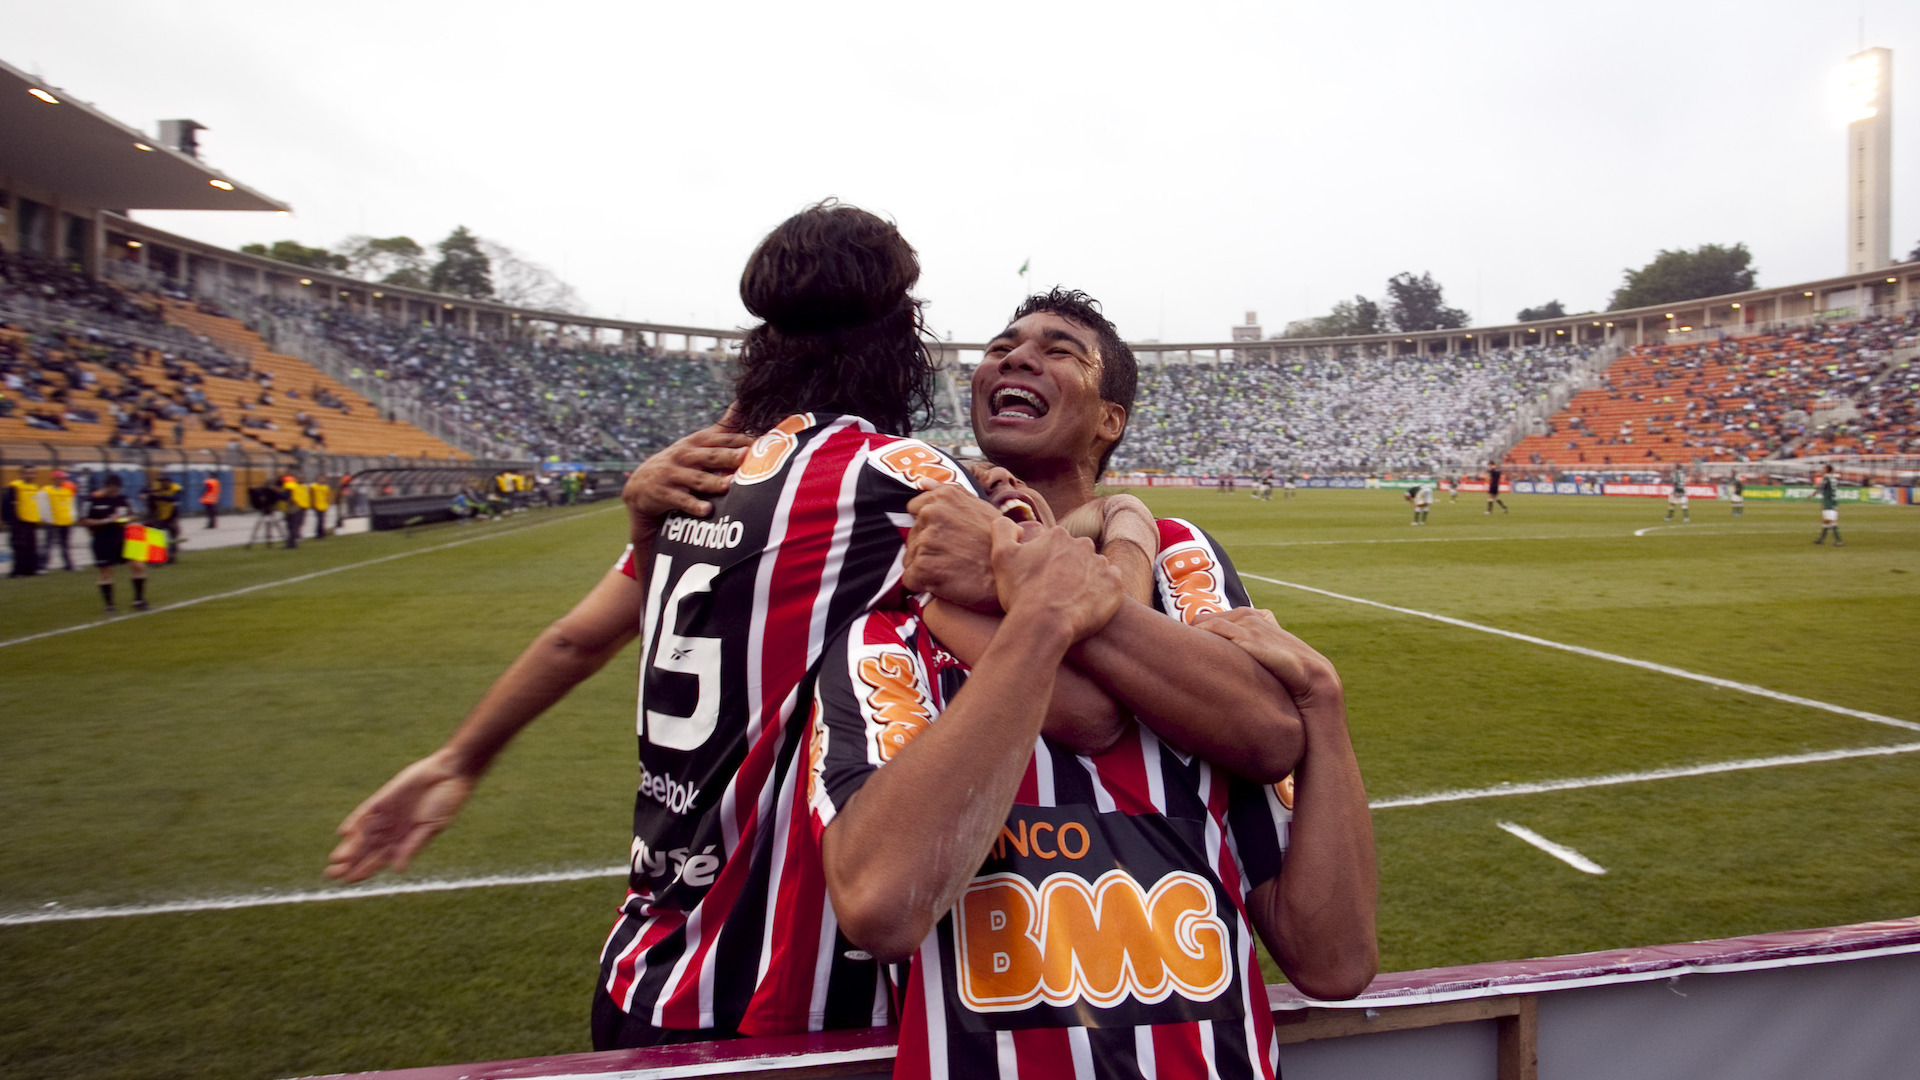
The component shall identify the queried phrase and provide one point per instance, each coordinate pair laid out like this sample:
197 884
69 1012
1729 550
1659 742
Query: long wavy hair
841 330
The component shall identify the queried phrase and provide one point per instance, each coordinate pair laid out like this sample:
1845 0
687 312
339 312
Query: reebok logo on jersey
662 788
1102 942
722 532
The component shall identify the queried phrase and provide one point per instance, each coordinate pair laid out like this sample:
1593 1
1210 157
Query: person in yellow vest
210 500
322 497
163 509
22 510
61 498
299 499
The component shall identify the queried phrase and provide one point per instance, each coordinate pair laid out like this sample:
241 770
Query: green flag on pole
1024 265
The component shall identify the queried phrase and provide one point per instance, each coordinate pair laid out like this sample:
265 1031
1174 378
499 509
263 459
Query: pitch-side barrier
1837 1003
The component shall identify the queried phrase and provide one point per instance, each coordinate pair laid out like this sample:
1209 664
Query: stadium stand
559 400
1351 414
297 405
1741 399
83 363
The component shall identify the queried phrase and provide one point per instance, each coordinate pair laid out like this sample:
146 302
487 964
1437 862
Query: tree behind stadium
1709 270
463 269
293 251
1418 303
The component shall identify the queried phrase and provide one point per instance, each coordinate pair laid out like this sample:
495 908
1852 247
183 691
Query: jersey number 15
667 654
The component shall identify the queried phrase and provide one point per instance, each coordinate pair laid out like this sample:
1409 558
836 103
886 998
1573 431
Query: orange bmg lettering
893 701
1103 942
917 464
1196 587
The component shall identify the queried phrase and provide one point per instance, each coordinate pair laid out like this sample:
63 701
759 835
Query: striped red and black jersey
725 925
1106 934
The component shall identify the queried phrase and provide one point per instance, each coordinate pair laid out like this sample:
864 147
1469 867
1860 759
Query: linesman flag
144 543
1025 265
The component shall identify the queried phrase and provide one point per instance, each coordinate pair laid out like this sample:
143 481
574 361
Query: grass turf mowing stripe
1559 851
1581 650
296 579
252 900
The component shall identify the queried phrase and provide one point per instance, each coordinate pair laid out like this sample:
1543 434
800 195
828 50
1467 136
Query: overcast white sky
1184 163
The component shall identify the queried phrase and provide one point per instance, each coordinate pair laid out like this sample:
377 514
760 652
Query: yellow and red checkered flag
144 543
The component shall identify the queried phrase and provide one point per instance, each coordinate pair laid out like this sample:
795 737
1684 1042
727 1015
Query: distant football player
108 513
1421 496
1264 489
1493 488
1828 491
1677 496
1737 495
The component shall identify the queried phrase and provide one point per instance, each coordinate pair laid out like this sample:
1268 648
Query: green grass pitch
209 751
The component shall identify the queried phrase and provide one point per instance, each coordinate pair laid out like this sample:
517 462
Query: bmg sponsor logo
1190 580
1102 942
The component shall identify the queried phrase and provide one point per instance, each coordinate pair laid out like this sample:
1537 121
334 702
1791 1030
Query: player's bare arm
394 823
900 852
1317 917
1194 689
1080 715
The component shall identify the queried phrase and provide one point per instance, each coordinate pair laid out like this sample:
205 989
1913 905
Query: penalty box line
1597 654
296 579
53 913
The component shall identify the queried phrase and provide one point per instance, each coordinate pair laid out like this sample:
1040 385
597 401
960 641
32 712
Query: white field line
296 579
1539 787
269 899
1581 650
1559 851
1416 540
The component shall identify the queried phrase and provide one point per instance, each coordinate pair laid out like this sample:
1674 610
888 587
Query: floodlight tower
1869 160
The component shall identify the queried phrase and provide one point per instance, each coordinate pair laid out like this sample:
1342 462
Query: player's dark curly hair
1119 372
842 330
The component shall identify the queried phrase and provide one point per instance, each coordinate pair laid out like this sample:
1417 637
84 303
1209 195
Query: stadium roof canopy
69 147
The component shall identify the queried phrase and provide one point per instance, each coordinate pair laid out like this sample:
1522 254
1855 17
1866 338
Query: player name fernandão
722 532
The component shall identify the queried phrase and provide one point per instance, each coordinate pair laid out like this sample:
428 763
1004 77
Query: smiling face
1036 398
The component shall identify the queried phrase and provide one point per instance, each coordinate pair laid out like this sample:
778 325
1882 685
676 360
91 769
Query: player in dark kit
106 517
1493 488
806 536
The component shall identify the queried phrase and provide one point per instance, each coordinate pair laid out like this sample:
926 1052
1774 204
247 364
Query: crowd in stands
135 394
45 281
556 398
1743 399
1349 414
86 355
